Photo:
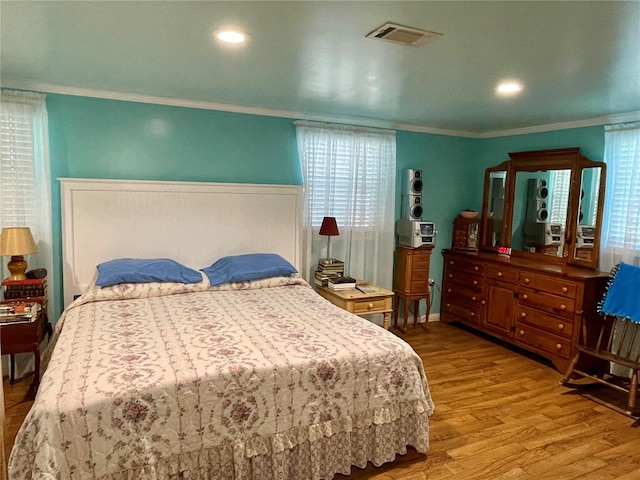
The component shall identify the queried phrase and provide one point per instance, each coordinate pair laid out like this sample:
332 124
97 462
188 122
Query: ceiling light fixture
231 36
508 88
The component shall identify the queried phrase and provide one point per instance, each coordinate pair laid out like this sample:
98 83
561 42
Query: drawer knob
563 307
521 332
473 298
499 274
472 314
523 314
451 275
565 289
561 326
525 296
475 268
558 346
450 262
370 306
475 282
483 302
527 280
448 305
448 290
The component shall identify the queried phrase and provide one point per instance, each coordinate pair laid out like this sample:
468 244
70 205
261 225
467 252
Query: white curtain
349 173
620 241
25 185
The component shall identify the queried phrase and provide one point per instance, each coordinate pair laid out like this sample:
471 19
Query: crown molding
360 121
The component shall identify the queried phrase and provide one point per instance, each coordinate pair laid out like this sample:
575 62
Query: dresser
536 306
411 281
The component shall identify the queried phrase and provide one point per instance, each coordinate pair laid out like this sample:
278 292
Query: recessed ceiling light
231 36
508 88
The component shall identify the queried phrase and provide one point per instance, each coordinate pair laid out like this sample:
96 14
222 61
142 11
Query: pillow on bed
136 270
252 266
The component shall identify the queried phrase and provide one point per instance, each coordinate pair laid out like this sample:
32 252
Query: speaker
412 207
412 182
537 193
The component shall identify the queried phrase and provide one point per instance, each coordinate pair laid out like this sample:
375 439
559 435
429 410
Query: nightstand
23 338
26 337
359 303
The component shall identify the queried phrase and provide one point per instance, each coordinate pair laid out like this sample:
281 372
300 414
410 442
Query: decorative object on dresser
465 232
329 228
17 242
411 282
616 340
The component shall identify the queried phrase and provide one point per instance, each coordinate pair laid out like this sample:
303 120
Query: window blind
624 198
560 184
17 167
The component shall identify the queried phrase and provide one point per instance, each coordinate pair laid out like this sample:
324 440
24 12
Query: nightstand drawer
371 306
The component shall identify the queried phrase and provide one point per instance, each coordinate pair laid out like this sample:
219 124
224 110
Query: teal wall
97 138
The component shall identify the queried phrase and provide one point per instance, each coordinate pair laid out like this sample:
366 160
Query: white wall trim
223 107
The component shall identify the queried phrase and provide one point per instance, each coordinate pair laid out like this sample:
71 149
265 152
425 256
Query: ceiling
577 60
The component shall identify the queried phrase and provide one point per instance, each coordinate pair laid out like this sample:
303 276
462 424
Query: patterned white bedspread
255 380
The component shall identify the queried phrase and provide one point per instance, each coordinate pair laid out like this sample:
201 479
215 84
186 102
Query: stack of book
32 289
342 283
328 271
18 312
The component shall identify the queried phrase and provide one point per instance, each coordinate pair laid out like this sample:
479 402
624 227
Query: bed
259 378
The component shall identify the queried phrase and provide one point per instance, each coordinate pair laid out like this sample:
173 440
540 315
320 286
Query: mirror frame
543 160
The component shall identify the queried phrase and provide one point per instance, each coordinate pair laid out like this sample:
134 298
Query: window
621 225
349 173
25 199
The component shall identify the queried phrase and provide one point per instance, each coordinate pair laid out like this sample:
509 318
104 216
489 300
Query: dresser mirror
493 220
545 205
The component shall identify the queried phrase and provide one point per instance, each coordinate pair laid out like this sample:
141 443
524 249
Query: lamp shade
329 227
17 241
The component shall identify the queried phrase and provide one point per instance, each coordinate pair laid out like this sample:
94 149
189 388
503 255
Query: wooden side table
359 303
411 282
23 338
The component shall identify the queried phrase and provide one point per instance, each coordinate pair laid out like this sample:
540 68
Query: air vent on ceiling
395 33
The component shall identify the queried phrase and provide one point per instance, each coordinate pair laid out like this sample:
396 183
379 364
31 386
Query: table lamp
329 228
17 241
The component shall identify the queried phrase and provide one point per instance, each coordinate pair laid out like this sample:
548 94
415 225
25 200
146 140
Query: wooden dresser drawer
464 279
544 283
468 266
463 312
464 294
542 340
557 325
546 302
498 272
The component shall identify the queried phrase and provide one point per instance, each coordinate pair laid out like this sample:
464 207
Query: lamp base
17 267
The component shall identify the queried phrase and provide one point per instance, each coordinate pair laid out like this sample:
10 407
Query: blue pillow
252 266
134 270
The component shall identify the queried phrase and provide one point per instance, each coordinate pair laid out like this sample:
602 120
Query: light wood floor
500 414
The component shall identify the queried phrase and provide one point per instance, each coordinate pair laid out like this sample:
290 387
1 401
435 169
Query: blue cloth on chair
622 298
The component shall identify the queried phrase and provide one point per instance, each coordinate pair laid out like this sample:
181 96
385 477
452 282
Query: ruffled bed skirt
311 453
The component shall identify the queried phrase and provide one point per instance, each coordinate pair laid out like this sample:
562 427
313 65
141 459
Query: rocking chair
618 338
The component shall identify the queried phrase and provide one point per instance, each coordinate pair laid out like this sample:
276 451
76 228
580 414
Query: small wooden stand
411 282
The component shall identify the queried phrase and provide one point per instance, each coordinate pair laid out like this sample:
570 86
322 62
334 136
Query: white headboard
192 223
